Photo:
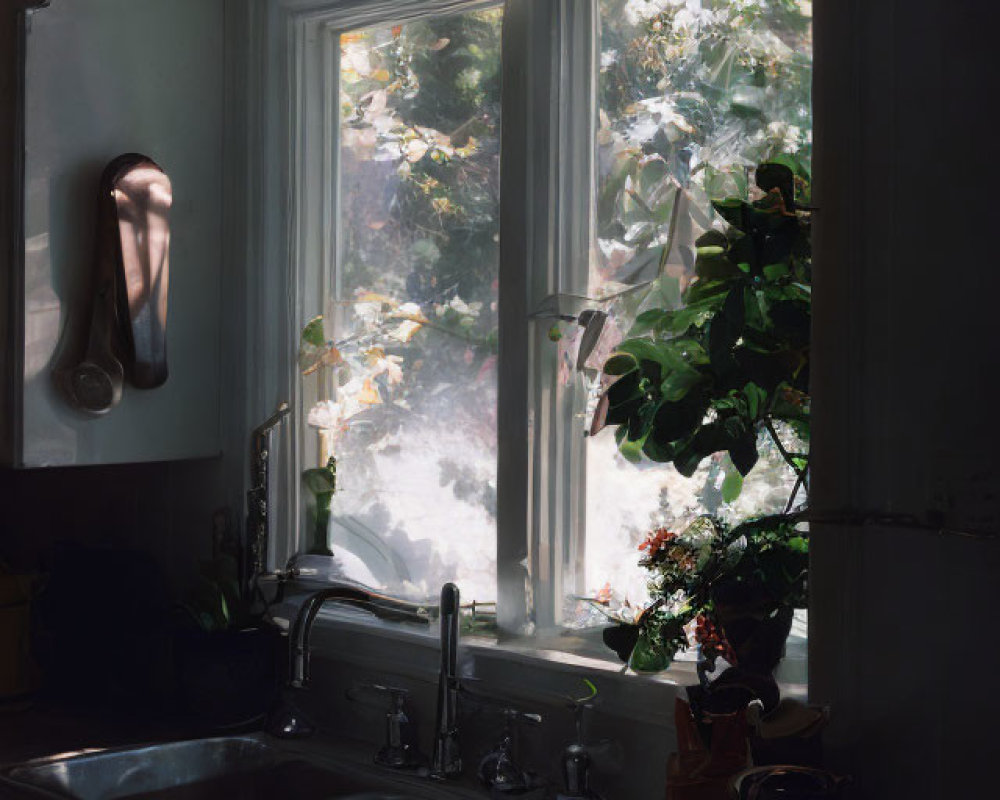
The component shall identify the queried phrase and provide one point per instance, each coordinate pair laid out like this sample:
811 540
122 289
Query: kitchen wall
161 509
906 372
105 77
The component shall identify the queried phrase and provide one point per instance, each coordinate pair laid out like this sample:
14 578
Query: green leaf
726 328
643 349
649 320
678 421
635 209
669 289
744 453
755 397
655 450
775 271
312 333
732 485
790 161
652 175
622 639
621 364
777 176
624 399
678 382
703 290
688 459
712 238
693 315
712 264
731 209
631 449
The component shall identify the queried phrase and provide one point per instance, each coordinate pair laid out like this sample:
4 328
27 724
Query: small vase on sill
322 484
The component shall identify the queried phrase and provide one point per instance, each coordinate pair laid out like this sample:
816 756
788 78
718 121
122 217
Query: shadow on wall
115 546
163 509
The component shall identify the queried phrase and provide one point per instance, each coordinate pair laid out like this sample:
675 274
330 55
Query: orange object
691 752
699 773
730 751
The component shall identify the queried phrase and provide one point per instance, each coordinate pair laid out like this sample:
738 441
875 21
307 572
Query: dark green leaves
619 365
701 379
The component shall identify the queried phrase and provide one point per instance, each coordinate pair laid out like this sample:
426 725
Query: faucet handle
498 769
400 748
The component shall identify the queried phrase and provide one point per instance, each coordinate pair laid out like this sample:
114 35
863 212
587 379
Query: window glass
410 408
692 95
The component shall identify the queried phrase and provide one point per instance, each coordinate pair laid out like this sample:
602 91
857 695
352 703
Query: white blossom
326 414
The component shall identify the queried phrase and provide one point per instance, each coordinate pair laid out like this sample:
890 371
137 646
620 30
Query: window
451 395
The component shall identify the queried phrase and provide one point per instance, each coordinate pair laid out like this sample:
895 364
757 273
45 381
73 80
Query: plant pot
756 629
227 678
755 626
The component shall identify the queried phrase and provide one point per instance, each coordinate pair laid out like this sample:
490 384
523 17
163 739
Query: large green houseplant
725 372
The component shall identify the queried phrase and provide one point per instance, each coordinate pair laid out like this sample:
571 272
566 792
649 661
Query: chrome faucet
258 521
286 721
378 604
447 759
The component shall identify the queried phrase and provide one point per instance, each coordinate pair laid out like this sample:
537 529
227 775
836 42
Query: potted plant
725 372
227 655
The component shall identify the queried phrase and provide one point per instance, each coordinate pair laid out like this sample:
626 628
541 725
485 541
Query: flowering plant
696 572
725 372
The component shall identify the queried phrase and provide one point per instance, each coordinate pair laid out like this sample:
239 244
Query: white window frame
550 52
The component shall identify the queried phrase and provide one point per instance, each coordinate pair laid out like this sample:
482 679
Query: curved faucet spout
378 604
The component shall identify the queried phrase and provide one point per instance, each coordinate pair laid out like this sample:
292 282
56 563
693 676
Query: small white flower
390 366
368 313
465 309
459 305
326 414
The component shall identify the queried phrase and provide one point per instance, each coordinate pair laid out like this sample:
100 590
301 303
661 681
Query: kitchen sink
249 767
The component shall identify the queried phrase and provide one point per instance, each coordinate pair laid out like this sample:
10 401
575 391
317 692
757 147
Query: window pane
412 410
692 95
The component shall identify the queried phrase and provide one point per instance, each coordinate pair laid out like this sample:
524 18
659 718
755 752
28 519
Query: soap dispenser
576 764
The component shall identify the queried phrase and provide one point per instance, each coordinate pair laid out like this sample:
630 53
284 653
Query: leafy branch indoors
710 376
721 374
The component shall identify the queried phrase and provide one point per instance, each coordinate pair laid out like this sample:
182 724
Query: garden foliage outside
692 95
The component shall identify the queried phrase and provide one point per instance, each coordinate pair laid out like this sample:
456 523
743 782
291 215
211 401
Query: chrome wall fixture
127 336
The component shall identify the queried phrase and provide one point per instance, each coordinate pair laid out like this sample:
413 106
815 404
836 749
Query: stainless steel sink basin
247 767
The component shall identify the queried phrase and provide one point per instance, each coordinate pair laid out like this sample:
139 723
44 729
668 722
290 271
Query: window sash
547 157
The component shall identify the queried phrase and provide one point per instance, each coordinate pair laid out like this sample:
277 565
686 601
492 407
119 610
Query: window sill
536 670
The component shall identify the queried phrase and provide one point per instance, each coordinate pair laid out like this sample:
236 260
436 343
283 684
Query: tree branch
799 473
